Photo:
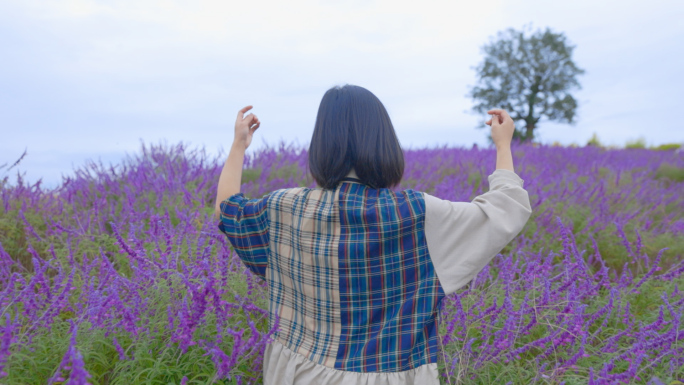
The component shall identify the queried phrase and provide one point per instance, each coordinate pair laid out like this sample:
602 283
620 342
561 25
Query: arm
231 175
463 237
502 133
504 158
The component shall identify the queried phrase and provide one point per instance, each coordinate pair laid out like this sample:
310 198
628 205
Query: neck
352 174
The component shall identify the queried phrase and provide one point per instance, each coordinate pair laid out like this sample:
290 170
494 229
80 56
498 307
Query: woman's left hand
245 127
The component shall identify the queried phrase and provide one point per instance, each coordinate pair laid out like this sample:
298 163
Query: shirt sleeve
462 237
245 223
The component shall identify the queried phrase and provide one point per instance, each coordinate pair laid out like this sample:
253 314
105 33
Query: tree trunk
529 135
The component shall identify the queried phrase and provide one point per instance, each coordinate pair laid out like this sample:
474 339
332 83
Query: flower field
121 276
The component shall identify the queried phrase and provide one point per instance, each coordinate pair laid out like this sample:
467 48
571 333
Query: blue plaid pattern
349 273
245 223
389 292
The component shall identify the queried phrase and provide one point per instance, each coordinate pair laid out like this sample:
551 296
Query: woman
356 271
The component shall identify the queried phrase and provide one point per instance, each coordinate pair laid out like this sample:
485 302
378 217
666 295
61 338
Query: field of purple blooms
121 276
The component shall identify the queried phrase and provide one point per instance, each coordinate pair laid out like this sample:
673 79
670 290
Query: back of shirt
356 275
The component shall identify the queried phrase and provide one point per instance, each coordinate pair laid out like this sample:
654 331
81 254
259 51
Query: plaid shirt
348 272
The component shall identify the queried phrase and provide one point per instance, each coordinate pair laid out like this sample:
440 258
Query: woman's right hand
502 127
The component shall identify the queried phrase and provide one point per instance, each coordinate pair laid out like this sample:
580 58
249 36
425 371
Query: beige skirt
283 366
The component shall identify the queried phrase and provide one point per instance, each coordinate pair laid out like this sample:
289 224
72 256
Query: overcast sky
90 79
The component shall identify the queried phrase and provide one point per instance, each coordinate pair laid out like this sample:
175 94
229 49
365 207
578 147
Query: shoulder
410 199
290 192
403 195
240 200
289 196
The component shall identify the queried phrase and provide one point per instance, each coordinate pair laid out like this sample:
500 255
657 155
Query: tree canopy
529 77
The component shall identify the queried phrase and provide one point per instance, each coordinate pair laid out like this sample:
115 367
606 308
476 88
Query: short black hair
353 130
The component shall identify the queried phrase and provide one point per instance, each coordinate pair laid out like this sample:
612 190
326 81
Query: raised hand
502 127
245 127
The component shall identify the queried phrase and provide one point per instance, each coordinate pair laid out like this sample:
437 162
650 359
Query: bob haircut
353 130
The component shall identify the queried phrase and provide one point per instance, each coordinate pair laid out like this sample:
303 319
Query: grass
669 174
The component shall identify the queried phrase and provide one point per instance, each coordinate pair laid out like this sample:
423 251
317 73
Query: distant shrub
556 144
639 143
667 147
594 141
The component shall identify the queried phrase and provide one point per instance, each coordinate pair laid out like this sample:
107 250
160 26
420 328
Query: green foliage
668 147
670 173
250 175
475 180
290 172
594 141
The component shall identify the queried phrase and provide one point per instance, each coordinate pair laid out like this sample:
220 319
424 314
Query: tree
529 78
